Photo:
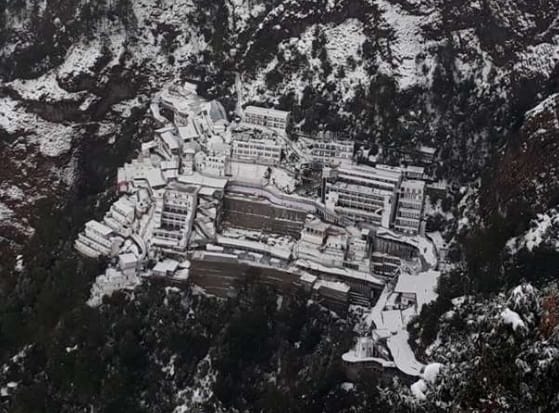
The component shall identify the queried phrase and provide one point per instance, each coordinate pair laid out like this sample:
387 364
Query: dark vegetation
114 358
55 279
43 45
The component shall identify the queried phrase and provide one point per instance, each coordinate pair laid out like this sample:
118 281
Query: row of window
250 149
168 235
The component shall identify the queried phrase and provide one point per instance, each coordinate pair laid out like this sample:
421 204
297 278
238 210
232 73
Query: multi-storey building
410 207
121 216
168 143
97 239
414 172
270 118
329 152
322 243
385 264
260 150
214 164
361 194
173 217
140 173
358 251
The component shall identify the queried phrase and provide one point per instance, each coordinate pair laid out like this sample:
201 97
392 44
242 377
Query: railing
284 200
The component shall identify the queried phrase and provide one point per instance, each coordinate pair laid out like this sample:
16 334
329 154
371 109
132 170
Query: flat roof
258 110
197 179
332 285
309 278
414 168
170 139
371 172
125 204
154 178
427 149
413 183
128 258
423 285
188 132
167 265
99 227
392 319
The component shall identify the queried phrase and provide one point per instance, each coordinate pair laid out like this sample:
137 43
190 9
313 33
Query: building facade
97 239
173 218
329 152
270 118
264 150
409 214
361 194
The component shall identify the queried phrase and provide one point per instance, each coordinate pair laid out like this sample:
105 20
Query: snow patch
431 372
418 389
512 318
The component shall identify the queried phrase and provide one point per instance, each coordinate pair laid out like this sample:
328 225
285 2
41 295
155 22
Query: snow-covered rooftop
423 285
257 110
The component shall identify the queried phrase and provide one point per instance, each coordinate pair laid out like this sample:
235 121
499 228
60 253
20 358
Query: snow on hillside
540 59
411 63
472 62
45 88
241 11
5 212
544 229
81 59
175 14
53 139
513 319
343 41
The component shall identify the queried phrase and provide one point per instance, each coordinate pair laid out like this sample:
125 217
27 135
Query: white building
322 243
357 256
270 118
127 262
214 164
329 152
252 148
362 193
123 211
97 239
173 217
409 213
140 173
414 172
188 133
168 142
165 268
121 216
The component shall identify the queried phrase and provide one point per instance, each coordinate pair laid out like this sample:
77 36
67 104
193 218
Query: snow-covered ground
44 88
81 59
53 139
544 229
411 62
389 321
